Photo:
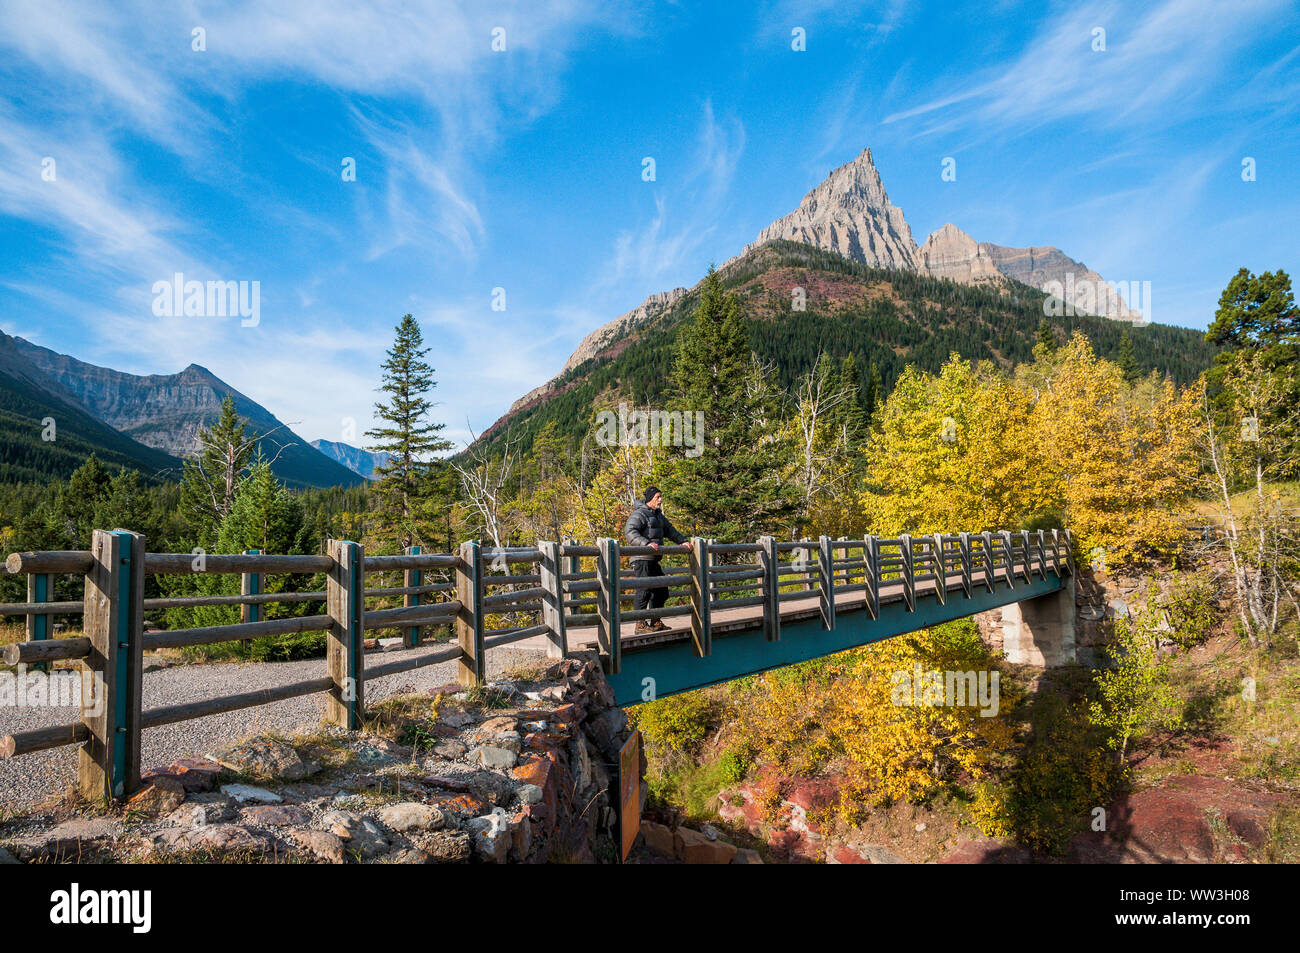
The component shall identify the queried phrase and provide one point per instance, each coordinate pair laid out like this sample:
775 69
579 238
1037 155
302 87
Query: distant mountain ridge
359 461
889 317
165 412
849 213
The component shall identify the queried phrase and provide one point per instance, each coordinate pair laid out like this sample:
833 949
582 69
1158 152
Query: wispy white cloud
1158 62
687 208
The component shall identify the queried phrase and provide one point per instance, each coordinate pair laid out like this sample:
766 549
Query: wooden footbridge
748 607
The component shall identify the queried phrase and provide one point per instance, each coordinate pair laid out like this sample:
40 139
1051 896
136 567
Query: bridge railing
486 597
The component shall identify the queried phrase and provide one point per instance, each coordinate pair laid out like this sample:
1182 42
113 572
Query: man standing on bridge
647 526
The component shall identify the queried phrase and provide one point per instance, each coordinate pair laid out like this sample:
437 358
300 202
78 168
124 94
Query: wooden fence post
472 669
701 621
906 572
871 557
1029 559
1069 551
826 581
344 651
609 611
108 764
1056 552
40 588
769 561
552 573
250 584
410 579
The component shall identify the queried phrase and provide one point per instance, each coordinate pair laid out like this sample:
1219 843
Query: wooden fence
557 589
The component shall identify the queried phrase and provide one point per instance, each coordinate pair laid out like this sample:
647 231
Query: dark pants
649 598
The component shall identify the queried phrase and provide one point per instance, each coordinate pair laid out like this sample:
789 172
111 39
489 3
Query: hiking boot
658 625
643 628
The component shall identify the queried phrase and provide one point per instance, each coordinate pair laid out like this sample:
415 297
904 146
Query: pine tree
406 490
210 481
1045 337
1127 361
856 415
735 489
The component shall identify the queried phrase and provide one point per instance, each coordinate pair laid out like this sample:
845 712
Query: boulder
162 795
659 838
492 757
412 816
268 759
276 815
492 836
694 847
247 794
322 844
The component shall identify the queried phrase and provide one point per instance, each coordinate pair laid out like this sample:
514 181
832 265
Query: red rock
568 714
815 793
466 804
986 850
540 770
194 774
542 741
162 795
846 855
748 812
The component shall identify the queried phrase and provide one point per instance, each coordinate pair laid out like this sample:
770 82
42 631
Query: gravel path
31 778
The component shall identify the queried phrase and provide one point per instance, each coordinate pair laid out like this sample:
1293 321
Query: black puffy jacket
646 526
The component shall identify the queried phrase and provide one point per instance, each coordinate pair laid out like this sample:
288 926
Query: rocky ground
524 770
33 778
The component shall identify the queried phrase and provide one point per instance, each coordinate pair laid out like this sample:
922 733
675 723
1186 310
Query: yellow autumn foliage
1066 441
843 715
954 451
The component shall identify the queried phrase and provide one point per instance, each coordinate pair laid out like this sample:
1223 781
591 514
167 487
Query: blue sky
521 169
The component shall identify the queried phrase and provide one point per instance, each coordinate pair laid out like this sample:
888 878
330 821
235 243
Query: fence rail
546 590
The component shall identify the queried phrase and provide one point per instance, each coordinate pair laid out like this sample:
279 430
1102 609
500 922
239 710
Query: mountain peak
850 213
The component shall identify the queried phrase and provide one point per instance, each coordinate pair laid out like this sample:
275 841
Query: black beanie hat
650 492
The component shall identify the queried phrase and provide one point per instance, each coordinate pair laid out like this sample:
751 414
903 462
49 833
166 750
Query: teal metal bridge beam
659 670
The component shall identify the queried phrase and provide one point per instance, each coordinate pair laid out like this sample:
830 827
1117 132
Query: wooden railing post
40 588
410 579
1029 558
769 561
990 563
701 621
871 557
1069 551
1042 554
963 548
108 764
1011 558
826 581
905 571
250 584
1056 552
609 612
344 649
552 573
471 670
939 568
